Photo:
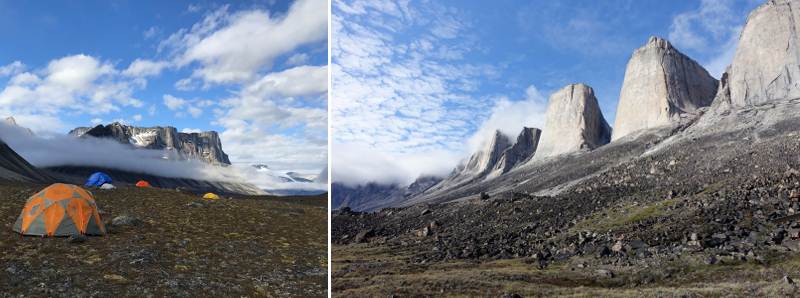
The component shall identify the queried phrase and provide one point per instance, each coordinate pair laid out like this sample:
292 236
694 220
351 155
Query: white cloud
186 84
298 81
401 90
275 117
509 117
697 29
191 130
194 111
151 32
145 68
183 106
193 8
173 103
137 117
356 163
96 121
12 68
297 59
78 84
234 47
711 31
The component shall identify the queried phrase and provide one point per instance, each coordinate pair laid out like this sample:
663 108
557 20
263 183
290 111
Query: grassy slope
368 270
253 246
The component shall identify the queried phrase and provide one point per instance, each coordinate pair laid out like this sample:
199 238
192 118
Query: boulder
126 220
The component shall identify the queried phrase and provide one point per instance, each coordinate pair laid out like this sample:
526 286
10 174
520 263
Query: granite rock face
573 122
660 85
479 163
205 146
519 153
766 66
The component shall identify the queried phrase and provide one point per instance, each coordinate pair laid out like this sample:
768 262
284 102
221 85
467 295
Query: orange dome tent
143 183
60 210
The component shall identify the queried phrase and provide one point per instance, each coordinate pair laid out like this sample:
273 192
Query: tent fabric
60 210
97 179
143 183
107 186
211 196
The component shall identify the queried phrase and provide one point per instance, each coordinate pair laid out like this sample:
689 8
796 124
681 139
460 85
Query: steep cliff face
766 66
519 153
204 146
15 168
479 163
660 85
573 122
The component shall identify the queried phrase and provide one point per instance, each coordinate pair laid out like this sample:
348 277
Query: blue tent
97 179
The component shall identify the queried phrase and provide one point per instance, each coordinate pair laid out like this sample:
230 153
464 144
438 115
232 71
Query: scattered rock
788 280
77 238
423 232
116 278
604 273
425 212
618 247
196 204
362 236
126 220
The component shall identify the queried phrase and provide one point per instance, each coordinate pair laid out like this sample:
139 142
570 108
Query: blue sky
417 85
255 71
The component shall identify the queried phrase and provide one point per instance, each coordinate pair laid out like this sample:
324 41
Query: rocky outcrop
479 163
661 84
420 185
519 153
204 146
573 122
766 66
363 197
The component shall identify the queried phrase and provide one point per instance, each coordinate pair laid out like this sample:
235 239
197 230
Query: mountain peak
573 121
655 41
766 66
205 146
660 85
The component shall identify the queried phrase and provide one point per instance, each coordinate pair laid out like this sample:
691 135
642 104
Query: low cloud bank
270 180
509 117
360 163
64 150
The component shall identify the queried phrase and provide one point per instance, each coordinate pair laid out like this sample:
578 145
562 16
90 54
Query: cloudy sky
416 85
255 71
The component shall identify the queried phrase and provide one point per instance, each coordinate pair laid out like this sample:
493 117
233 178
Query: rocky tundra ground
162 242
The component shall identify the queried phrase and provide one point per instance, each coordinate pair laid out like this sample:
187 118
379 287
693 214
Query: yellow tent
211 196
